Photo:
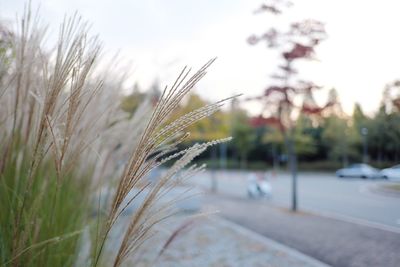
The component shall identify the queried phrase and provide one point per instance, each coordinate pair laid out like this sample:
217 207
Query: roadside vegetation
66 145
326 143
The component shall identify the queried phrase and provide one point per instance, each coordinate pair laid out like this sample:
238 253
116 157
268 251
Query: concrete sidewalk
214 241
201 239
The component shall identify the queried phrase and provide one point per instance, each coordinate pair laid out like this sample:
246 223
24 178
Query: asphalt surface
350 199
335 242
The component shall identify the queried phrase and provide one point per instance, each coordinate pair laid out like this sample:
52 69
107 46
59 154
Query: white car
359 170
392 173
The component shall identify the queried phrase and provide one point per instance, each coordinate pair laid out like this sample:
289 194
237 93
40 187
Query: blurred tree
379 134
359 119
336 138
274 138
391 97
393 141
359 133
297 43
244 137
207 129
386 124
305 145
131 102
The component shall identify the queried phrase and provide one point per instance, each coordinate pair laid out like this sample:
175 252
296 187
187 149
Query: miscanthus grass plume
64 139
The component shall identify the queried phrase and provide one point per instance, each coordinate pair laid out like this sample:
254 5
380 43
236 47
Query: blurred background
354 65
316 129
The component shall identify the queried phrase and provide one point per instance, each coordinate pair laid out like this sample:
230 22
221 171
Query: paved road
349 199
335 242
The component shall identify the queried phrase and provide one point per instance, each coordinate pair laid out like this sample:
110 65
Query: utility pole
214 183
364 133
293 168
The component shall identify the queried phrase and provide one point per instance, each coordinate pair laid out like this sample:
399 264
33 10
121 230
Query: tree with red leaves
297 43
391 96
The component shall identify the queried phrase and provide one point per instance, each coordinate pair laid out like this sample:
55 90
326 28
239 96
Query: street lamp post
364 133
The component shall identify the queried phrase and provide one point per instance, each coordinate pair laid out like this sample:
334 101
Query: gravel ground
215 242
334 242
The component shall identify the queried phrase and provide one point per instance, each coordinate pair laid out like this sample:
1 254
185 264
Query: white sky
160 37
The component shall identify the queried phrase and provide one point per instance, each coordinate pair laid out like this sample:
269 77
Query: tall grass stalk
64 138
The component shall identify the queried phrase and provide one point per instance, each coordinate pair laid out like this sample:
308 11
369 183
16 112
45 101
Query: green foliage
359 119
244 136
132 101
55 209
335 138
384 136
305 145
210 128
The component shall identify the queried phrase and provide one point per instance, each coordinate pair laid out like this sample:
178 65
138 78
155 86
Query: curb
271 243
382 190
354 220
